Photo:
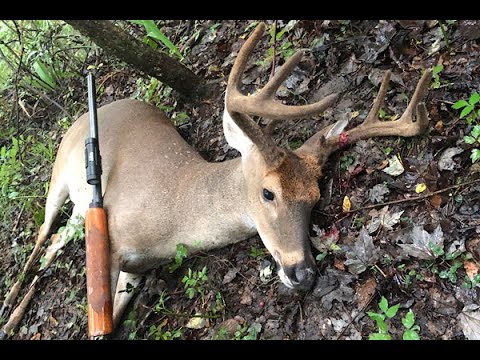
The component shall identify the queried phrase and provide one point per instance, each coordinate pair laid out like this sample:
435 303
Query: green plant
194 281
474 138
469 108
285 50
257 253
157 332
411 330
131 323
180 254
153 32
333 247
245 332
346 161
437 69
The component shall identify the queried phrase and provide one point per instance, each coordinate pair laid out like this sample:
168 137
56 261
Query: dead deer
159 192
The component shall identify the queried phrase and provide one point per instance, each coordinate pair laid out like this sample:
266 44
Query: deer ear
235 136
337 128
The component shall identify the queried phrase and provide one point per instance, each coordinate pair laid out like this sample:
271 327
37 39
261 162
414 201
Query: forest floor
410 235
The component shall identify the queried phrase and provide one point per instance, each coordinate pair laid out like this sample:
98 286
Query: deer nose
300 276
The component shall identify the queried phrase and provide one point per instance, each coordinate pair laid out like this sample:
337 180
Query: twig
274 43
18 219
417 198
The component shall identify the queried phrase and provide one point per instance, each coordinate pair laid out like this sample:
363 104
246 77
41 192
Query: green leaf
475 155
378 336
383 304
475 131
154 32
321 256
459 104
44 73
437 69
392 311
410 335
474 98
409 319
466 110
468 139
376 316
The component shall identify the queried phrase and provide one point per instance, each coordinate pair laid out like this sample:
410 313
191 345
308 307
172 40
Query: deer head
282 185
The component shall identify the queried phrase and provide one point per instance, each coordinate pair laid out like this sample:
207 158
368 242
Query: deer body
148 168
158 192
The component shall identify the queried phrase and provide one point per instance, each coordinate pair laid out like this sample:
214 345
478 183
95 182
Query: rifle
96 232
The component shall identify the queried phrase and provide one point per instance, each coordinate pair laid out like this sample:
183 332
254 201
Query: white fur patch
236 138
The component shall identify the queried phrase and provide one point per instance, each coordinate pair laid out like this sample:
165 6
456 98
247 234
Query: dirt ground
373 250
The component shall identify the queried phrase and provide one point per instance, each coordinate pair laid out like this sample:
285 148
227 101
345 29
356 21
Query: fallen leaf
383 218
333 286
394 167
365 291
324 240
53 321
346 206
246 298
362 254
421 243
469 320
383 165
37 336
439 125
229 326
446 161
420 188
196 322
470 268
339 264
376 193
436 201
230 275
355 114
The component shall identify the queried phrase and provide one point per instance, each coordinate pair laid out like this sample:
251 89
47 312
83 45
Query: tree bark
168 70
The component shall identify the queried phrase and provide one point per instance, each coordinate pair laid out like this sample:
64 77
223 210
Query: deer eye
268 195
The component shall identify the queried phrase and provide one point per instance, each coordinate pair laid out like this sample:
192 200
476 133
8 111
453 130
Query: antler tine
263 104
377 104
233 86
405 126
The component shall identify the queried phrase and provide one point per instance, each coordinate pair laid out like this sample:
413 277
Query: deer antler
263 103
323 144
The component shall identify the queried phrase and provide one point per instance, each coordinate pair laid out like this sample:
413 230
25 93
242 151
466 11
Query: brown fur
297 177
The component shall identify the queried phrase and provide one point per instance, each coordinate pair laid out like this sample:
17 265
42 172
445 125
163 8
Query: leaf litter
423 245
363 253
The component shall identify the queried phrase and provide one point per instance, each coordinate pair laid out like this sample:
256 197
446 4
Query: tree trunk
115 41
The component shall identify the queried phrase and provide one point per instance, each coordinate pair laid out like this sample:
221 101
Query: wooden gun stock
98 273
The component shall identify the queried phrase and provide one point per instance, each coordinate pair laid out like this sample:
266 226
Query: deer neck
219 208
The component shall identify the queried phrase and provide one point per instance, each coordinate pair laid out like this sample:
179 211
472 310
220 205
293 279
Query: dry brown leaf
436 201
37 336
383 165
369 171
246 298
365 292
53 321
473 246
339 264
470 268
439 125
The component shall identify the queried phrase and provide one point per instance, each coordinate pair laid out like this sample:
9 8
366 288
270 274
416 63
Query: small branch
273 48
417 198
